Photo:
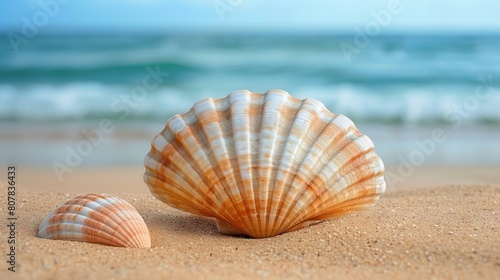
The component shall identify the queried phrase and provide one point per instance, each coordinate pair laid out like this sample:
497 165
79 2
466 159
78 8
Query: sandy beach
86 87
430 226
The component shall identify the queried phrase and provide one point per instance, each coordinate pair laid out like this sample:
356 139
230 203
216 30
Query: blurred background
89 83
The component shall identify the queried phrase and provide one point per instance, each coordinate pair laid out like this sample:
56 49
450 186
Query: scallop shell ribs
263 164
97 218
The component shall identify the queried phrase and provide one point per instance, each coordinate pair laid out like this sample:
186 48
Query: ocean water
397 79
398 88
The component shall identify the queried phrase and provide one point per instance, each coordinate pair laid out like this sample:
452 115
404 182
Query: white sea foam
81 101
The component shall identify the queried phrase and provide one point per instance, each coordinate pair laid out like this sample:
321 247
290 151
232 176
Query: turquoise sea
397 89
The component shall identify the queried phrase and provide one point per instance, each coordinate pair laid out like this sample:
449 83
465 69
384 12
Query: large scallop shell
263 164
97 218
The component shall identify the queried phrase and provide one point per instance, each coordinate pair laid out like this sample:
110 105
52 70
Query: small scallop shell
97 218
263 164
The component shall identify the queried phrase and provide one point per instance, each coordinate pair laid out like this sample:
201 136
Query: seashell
263 164
97 218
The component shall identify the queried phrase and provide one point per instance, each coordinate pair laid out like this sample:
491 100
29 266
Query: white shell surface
263 164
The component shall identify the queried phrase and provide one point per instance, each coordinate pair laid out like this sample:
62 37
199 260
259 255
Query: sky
458 16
